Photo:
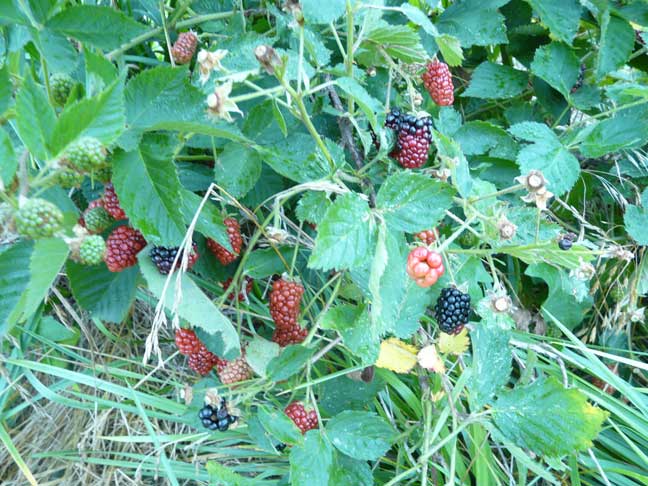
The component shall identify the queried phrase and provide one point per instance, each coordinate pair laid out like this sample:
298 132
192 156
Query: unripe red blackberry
92 250
424 266
438 82
38 218
428 236
122 247
413 141
236 240
163 257
234 371
187 341
304 419
111 202
292 334
247 289
184 47
285 300
202 361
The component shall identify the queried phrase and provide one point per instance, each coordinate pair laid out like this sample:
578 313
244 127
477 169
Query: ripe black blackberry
452 310
214 418
413 138
163 258
566 241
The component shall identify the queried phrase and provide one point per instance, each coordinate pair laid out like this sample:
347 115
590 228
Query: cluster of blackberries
214 418
452 310
414 138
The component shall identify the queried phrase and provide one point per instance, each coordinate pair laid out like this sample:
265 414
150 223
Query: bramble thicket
323 243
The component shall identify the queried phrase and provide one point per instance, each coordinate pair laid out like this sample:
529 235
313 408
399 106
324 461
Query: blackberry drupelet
214 418
452 310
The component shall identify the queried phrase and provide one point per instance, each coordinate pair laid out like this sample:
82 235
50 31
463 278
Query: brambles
122 247
236 240
438 81
285 300
61 85
452 310
38 218
92 250
216 418
184 47
304 419
111 203
413 138
163 258
424 266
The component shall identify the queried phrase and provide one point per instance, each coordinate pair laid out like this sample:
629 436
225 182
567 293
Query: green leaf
319 12
35 118
8 160
419 18
102 27
450 48
345 236
312 206
163 99
237 169
343 393
290 361
57 49
561 16
14 278
450 150
101 117
494 81
558 65
625 131
568 299
220 475
547 154
149 190
6 89
194 306
311 461
616 44
491 367
367 103
259 353
474 23
636 221
547 418
399 41
355 327
548 251
360 435
106 295
479 137
268 261
413 202
100 72
47 258
209 223
297 158
350 471
279 425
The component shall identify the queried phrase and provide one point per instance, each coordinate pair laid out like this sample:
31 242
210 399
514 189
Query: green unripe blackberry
618 292
68 179
103 175
468 239
38 218
91 250
61 85
87 154
97 219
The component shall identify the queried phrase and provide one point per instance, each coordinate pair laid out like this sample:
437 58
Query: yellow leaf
396 355
454 344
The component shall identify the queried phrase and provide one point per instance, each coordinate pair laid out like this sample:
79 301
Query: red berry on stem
236 240
285 300
187 341
184 47
111 203
424 266
122 247
203 360
428 236
244 291
305 420
438 82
